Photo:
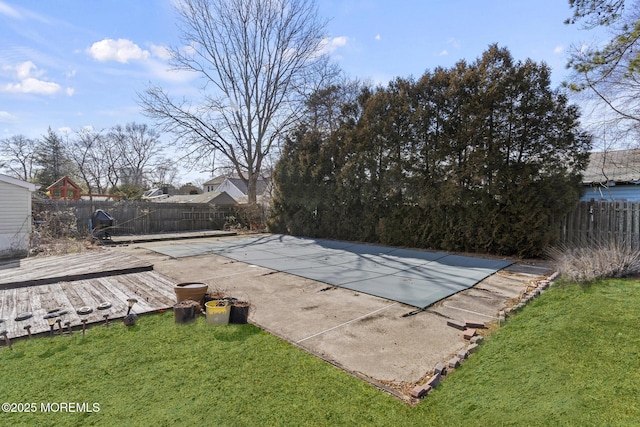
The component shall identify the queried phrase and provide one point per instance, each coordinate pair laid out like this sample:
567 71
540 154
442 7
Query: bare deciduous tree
19 152
255 59
88 153
137 146
609 73
163 172
111 157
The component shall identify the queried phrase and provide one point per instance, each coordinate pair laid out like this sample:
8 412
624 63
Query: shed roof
613 166
18 182
63 182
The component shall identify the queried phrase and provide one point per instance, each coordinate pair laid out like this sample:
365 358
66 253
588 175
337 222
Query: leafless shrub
53 224
56 233
593 261
246 218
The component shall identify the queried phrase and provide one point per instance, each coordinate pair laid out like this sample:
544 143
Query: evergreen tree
481 157
52 159
306 200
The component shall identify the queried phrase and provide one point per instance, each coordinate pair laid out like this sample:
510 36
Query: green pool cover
414 277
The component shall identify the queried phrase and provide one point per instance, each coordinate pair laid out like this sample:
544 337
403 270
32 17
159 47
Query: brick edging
469 330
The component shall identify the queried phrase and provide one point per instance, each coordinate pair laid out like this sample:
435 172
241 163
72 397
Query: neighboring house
236 188
211 198
213 184
155 194
613 175
15 216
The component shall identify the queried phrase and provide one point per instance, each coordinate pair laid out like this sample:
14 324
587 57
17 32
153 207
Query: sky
70 64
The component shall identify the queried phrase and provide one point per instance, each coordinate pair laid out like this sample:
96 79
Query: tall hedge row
481 157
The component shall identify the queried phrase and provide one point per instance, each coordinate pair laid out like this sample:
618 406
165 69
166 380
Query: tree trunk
252 184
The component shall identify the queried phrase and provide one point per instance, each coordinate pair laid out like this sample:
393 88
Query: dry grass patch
594 261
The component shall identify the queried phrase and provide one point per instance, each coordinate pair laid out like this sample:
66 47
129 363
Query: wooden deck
65 268
38 285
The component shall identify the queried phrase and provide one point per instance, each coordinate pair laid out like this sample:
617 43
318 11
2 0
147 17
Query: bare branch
255 58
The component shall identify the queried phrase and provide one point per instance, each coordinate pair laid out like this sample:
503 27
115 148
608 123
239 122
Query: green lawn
569 358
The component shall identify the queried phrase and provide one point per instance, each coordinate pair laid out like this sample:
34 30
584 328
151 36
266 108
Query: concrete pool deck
385 342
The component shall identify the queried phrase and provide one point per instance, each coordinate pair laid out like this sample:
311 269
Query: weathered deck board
66 268
69 282
153 291
146 300
148 289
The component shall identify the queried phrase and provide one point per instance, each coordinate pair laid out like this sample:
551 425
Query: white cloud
29 81
162 71
71 73
558 50
6 117
454 43
23 70
5 9
20 13
161 52
329 45
378 37
70 91
339 41
121 50
32 85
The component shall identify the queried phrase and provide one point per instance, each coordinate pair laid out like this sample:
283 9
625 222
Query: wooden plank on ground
66 268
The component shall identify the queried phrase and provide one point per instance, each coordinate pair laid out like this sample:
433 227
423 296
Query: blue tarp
414 277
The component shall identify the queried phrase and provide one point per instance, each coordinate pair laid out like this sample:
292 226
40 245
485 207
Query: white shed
15 216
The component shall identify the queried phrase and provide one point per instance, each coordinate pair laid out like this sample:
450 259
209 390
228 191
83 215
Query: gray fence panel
601 222
147 217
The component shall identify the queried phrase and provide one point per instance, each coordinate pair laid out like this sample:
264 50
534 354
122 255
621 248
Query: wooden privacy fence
601 222
145 217
590 222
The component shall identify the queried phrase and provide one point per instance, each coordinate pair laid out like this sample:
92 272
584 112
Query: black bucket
184 313
239 314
